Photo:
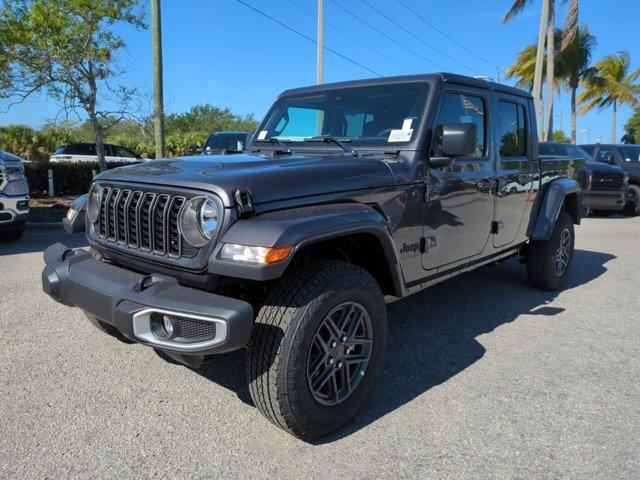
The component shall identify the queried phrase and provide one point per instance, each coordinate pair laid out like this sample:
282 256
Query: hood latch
244 204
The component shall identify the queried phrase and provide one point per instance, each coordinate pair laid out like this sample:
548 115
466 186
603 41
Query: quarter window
461 108
512 130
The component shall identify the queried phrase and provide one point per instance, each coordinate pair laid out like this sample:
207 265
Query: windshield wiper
280 143
332 139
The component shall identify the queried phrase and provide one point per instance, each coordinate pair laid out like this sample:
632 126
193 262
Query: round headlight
93 204
199 221
208 218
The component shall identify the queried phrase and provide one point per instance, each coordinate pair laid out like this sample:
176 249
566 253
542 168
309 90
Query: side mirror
193 148
458 140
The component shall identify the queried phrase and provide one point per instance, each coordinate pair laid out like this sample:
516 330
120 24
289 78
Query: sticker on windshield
400 135
262 135
406 125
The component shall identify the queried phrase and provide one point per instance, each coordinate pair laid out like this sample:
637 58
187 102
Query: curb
44 226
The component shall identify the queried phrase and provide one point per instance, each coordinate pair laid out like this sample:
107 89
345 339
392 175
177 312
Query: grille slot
192 330
145 221
607 181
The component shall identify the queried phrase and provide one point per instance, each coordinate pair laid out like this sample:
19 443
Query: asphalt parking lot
484 377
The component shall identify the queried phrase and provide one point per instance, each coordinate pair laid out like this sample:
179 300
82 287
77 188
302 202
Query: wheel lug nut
344 339
333 344
330 360
339 364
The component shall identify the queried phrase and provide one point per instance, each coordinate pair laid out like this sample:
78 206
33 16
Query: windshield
630 154
225 141
378 115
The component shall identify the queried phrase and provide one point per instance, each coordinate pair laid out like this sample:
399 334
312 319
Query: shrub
68 178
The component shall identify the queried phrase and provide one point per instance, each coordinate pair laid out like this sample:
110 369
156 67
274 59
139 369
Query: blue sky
221 52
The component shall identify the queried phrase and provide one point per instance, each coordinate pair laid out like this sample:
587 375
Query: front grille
607 181
146 221
191 330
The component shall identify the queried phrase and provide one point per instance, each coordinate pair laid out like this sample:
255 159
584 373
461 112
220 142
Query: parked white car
86 152
14 197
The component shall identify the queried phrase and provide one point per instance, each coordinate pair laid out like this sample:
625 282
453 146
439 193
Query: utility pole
158 102
537 77
320 44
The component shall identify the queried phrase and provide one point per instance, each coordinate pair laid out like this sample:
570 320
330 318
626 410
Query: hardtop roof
441 77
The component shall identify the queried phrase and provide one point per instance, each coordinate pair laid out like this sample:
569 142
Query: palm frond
515 10
570 27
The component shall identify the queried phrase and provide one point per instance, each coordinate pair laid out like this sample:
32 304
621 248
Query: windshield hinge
244 203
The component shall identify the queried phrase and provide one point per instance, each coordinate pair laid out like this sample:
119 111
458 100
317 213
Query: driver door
460 203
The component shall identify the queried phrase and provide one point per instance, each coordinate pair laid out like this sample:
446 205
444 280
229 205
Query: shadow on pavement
432 335
38 241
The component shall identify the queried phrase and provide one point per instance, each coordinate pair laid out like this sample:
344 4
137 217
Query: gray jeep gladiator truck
353 194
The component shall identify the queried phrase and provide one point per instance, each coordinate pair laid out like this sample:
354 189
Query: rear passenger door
514 168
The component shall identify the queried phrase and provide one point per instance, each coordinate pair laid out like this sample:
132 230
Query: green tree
560 136
68 50
632 129
570 30
609 83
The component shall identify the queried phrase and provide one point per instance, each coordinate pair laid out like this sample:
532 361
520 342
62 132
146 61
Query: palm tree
547 26
573 65
610 83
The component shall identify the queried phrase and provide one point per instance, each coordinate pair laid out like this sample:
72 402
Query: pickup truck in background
627 157
605 187
14 197
351 195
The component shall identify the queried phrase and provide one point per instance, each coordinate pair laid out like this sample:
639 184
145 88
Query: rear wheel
549 261
632 205
317 348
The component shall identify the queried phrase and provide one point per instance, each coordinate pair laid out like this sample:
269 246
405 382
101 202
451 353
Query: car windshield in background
630 154
368 116
219 141
563 150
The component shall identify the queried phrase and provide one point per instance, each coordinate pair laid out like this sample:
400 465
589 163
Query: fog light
167 323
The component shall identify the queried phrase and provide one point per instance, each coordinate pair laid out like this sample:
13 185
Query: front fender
554 196
300 227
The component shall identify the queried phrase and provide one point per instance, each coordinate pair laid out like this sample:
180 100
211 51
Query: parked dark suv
351 195
605 185
626 157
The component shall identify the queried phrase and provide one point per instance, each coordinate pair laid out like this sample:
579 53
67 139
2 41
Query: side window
512 130
460 108
122 152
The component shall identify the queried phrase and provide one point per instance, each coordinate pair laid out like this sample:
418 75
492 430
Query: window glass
588 148
605 155
459 108
80 149
122 152
59 150
630 154
512 133
225 141
376 115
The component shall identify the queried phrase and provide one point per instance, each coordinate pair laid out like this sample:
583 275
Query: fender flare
300 227
554 196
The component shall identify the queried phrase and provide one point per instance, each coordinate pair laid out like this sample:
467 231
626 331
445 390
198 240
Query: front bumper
604 200
13 210
127 300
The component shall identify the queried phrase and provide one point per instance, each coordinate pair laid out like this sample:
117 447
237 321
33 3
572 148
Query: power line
445 34
307 37
404 47
351 37
401 27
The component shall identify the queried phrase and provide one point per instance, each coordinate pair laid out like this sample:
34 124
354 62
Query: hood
602 167
268 178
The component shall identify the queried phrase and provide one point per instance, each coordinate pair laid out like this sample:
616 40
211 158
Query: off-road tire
634 207
12 235
281 340
541 258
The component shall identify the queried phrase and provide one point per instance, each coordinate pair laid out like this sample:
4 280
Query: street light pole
537 75
158 102
320 45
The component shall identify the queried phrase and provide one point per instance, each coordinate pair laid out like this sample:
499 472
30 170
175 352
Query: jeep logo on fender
410 248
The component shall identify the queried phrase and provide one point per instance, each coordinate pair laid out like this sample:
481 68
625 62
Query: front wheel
549 261
632 205
317 348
